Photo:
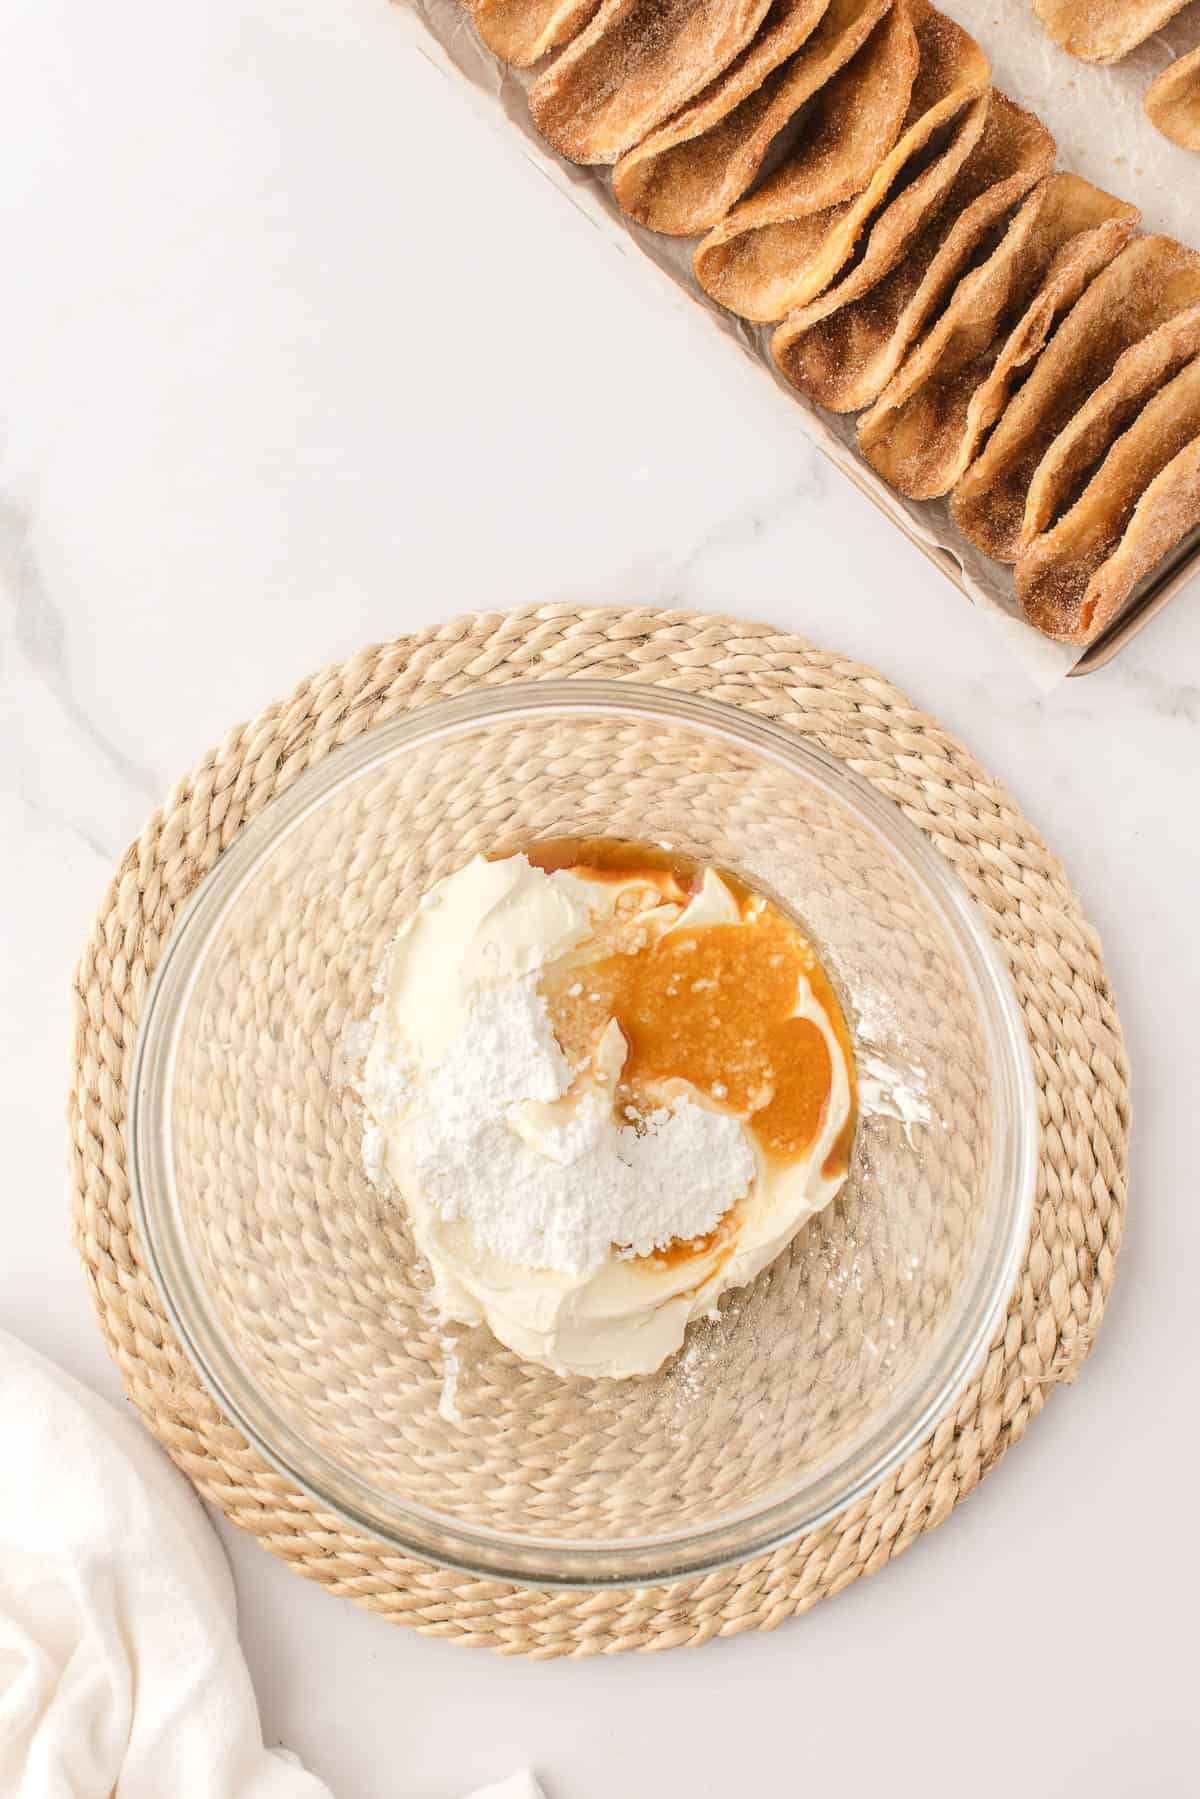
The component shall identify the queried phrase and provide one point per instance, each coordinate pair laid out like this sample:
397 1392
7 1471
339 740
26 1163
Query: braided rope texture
1055 959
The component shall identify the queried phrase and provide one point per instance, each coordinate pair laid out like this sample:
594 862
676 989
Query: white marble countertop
296 353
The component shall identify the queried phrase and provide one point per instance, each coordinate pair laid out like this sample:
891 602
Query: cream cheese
544 1213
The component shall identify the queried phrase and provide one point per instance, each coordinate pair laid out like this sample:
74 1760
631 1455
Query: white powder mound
506 1053
554 1187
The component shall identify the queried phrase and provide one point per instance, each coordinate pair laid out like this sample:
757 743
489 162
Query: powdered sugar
885 1091
451 1369
502 1135
374 1149
350 1052
507 1053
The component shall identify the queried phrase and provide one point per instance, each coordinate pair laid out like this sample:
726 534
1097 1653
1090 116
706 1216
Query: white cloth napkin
120 1668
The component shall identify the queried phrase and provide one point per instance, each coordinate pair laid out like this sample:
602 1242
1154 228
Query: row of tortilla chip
1002 327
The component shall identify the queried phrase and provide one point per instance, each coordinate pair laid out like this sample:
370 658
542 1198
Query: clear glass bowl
295 1287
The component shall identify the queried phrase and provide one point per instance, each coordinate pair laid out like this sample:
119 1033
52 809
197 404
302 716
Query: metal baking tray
1152 597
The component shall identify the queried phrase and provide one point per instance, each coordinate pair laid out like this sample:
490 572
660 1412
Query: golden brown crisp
843 349
1104 30
1064 469
632 67
927 425
687 174
521 32
901 218
1173 101
852 123
782 246
1073 581
1152 279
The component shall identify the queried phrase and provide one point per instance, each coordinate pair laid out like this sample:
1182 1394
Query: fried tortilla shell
1173 101
782 246
632 67
902 217
1075 452
1104 30
1152 279
853 122
843 349
521 32
686 175
1143 499
1166 513
927 425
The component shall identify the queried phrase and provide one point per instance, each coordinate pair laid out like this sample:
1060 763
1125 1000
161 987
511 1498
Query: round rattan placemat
1052 951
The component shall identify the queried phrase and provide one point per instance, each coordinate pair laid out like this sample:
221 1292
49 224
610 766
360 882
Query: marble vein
40 635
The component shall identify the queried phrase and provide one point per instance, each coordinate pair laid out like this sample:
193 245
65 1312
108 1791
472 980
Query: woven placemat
1052 951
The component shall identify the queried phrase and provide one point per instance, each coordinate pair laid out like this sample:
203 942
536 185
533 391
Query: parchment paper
1095 114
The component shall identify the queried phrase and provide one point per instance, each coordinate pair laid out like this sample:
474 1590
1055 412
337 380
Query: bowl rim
920 1402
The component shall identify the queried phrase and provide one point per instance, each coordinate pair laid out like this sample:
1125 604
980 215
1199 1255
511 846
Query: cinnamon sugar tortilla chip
843 348
1151 279
903 216
632 67
1144 497
781 247
928 424
1075 452
687 174
851 125
1167 511
1104 30
521 32
1173 101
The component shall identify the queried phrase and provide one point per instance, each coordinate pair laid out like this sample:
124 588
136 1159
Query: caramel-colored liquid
713 1005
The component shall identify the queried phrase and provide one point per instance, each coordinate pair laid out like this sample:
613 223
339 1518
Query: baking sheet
1095 114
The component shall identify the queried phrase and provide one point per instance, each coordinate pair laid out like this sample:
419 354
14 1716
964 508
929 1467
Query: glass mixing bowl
294 1284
